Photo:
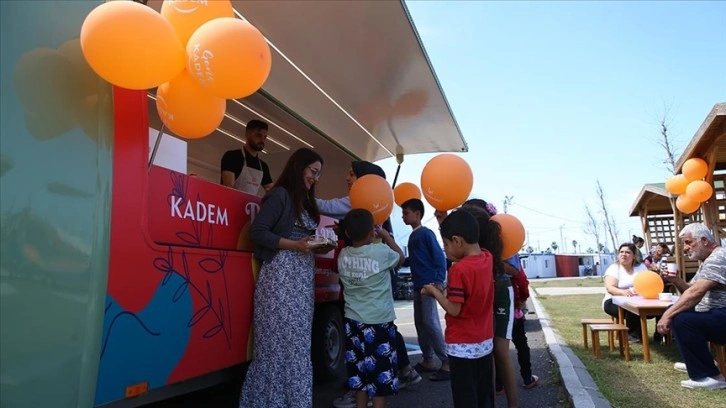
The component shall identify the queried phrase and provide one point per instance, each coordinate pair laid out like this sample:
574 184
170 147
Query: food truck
126 275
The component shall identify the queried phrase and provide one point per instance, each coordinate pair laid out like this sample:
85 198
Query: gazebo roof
653 196
711 135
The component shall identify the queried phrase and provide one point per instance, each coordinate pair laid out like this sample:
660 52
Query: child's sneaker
407 378
532 383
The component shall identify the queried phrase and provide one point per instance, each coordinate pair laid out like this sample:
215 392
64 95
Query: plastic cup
672 269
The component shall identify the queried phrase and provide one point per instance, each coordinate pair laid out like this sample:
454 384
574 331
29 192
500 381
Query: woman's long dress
280 375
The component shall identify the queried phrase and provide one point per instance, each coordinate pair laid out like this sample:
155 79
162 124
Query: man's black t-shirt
233 160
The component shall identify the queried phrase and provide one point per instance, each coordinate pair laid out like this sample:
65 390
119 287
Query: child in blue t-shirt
369 314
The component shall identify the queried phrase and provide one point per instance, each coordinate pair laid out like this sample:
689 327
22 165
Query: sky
553 96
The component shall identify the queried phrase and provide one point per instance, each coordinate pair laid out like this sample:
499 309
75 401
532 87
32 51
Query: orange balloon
446 181
187 109
229 58
686 204
676 184
512 234
131 45
373 193
695 169
406 191
187 16
699 191
648 284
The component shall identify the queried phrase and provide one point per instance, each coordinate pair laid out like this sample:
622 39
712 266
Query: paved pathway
564 381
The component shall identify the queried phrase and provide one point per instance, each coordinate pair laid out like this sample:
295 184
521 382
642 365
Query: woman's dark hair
362 168
638 240
490 234
292 179
632 249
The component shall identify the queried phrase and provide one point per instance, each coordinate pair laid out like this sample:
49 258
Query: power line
548 215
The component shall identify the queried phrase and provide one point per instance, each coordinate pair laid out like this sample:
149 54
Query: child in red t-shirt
469 306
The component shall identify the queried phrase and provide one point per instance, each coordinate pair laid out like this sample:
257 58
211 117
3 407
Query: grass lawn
626 384
587 282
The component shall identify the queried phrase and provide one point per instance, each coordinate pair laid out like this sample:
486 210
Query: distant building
538 266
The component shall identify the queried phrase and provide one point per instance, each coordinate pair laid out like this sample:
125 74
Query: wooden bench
620 329
586 322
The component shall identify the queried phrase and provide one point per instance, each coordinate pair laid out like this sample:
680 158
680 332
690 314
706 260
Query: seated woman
657 253
619 279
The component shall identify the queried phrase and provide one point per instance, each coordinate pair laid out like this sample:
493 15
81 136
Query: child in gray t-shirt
369 314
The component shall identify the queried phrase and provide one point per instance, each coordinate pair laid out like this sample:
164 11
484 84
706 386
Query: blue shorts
370 357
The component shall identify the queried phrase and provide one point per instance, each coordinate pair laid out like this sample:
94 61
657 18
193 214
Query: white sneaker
682 366
706 383
347 400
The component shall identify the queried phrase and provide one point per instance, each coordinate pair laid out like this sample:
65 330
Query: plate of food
322 244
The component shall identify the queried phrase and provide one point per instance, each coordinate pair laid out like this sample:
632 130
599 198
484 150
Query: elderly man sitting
693 329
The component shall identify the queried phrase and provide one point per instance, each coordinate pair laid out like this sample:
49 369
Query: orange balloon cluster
406 191
196 52
446 181
512 234
648 284
689 186
373 193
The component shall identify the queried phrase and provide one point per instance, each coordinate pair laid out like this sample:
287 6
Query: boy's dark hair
358 224
462 224
413 204
255 124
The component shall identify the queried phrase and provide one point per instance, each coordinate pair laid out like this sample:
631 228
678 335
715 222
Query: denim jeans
428 328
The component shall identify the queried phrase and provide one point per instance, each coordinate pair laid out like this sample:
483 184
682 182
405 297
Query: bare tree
592 227
666 142
609 222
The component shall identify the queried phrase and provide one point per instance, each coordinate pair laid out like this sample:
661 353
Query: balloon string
156 146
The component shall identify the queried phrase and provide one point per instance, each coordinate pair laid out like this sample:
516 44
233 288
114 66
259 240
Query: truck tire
328 343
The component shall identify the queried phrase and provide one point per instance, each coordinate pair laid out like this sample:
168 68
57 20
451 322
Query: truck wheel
328 346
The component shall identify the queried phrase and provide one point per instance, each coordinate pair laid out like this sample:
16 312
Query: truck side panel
179 301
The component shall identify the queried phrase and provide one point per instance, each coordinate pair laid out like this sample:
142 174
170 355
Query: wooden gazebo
661 220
